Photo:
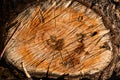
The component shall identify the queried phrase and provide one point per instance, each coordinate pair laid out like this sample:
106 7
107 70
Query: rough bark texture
110 12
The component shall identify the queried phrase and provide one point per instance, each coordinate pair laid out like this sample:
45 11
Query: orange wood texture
66 37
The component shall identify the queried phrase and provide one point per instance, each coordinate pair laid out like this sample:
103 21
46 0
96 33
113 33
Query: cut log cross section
63 36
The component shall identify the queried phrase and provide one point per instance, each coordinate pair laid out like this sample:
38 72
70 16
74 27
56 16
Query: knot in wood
55 44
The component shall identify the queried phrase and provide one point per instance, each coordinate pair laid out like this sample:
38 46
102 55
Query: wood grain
66 37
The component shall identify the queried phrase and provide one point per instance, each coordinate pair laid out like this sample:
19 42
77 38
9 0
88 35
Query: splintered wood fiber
65 37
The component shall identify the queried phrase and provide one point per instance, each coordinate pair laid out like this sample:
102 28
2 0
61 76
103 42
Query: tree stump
60 37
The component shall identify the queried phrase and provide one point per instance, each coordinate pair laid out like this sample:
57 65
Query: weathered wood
63 37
